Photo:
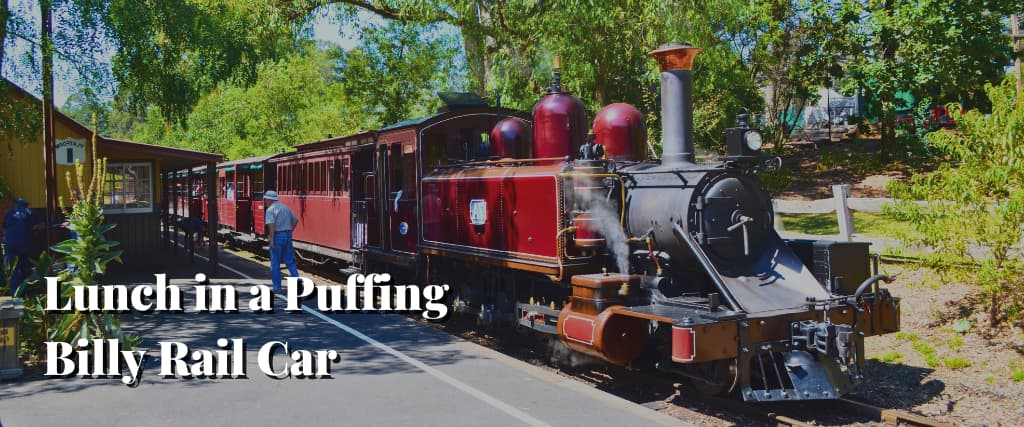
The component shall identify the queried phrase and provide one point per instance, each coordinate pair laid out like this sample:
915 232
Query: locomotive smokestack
676 61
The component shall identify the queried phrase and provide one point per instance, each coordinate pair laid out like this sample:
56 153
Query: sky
68 82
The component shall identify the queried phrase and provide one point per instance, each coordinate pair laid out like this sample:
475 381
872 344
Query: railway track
661 393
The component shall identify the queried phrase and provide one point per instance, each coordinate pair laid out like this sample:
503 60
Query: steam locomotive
659 264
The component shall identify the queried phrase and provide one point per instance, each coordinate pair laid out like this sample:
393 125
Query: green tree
974 202
792 50
173 52
297 99
940 50
398 69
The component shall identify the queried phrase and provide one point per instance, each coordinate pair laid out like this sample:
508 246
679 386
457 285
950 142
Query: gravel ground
901 375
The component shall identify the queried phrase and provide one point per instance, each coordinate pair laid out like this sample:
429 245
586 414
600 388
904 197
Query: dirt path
815 167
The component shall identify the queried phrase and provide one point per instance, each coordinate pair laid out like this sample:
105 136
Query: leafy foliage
172 52
975 206
938 49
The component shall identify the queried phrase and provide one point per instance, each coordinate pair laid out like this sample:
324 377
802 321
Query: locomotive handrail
867 284
502 162
622 188
702 258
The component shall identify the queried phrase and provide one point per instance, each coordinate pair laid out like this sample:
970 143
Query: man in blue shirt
17 240
280 222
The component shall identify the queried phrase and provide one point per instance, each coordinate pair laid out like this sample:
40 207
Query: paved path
862 204
394 371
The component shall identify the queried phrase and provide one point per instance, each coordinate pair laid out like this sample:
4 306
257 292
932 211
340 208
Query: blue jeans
20 270
282 252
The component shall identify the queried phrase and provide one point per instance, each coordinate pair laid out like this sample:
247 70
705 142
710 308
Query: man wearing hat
17 240
280 221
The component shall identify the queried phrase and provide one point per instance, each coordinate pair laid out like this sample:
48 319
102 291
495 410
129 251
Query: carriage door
401 198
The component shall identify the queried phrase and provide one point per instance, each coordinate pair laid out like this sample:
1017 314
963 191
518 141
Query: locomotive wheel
721 378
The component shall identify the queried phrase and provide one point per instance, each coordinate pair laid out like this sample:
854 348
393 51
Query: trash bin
10 317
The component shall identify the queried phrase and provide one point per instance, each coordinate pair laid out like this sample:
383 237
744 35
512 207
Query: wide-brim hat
270 195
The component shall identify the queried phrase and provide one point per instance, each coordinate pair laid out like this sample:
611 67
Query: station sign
68 150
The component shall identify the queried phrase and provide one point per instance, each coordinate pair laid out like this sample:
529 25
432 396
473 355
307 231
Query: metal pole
1018 50
211 206
828 109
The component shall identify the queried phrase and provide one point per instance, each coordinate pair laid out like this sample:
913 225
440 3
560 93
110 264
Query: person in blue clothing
280 221
193 228
18 224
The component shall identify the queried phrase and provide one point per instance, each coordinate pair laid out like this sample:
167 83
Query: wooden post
843 214
211 206
165 205
49 145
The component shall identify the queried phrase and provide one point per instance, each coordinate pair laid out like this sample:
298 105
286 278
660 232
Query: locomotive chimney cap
675 56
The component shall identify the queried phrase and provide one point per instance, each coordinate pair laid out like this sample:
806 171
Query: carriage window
257 184
332 175
128 188
321 181
397 170
409 181
314 176
344 176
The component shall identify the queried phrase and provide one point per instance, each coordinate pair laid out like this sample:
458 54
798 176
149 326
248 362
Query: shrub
974 204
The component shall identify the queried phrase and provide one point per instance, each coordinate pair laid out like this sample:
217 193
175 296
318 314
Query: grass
1016 372
902 335
956 362
892 356
871 224
930 357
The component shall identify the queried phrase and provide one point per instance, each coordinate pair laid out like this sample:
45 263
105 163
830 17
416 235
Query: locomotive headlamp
743 142
752 139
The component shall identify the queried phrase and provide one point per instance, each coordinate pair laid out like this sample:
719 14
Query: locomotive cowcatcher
665 264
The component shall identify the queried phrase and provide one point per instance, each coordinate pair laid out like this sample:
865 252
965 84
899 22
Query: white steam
607 222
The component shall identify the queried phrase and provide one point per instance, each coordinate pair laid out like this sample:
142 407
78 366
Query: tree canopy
211 73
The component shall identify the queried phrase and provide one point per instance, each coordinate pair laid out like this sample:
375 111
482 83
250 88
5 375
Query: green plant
909 336
973 201
1016 371
87 257
956 362
930 357
892 356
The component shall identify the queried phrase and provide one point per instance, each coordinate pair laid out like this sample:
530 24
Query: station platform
393 371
